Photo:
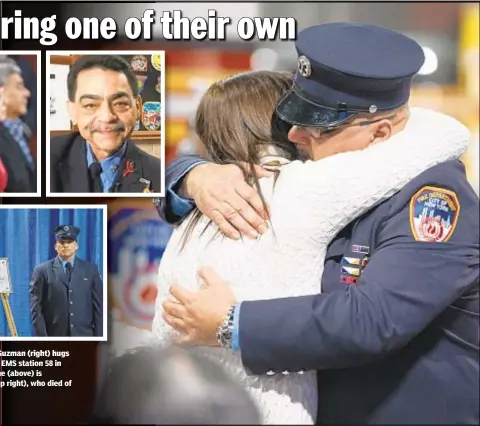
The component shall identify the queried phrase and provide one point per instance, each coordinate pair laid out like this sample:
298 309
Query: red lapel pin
129 168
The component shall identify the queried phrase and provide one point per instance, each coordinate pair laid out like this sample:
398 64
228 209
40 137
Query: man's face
66 248
15 96
317 144
104 109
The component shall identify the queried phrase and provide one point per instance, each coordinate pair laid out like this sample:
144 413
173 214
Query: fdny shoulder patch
433 214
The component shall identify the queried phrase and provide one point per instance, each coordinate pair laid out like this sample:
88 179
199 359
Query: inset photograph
106 124
53 265
20 124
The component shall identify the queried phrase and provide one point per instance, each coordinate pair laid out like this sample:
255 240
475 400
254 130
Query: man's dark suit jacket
69 169
60 308
21 177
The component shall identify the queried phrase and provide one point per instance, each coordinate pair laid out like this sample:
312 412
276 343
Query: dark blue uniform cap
347 68
66 232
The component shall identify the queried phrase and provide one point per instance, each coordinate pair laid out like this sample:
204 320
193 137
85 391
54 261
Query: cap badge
373 109
65 228
304 67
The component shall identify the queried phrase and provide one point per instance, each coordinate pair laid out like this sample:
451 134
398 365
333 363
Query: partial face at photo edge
2 105
105 109
15 96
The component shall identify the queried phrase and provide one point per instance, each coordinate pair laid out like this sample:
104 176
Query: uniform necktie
68 268
95 170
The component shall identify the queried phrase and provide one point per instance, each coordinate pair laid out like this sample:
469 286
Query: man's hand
221 194
197 315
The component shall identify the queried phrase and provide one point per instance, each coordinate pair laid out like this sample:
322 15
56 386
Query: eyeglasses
317 131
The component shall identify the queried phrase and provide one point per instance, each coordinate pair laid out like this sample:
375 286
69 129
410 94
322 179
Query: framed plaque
5 281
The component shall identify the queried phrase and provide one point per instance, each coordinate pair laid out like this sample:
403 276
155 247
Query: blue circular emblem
136 241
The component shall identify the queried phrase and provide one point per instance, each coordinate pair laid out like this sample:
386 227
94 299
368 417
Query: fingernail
236 236
263 228
253 235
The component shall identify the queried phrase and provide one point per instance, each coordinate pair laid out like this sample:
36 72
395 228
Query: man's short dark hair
154 385
104 62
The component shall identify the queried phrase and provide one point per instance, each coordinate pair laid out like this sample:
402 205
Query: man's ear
72 112
382 131
138 105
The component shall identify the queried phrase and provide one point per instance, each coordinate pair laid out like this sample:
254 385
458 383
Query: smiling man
104 105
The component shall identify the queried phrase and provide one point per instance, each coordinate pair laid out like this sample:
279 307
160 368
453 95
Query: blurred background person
14 133
125 337
154 385
3 170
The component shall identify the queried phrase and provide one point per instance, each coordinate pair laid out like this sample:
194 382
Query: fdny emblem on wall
156 61
151 115
141 82
136 241
434 214
139 63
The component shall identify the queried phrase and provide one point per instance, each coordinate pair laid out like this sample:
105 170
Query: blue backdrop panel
27 239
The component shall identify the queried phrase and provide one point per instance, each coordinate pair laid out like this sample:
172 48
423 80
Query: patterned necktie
95 170
68 268
16 130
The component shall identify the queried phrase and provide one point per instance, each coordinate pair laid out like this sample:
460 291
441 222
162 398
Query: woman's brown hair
236 123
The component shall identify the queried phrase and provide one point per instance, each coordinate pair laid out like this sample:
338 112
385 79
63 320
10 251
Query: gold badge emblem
147 184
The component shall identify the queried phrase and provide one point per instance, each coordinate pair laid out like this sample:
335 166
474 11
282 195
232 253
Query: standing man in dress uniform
104 104
14 133
66 293
394 341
